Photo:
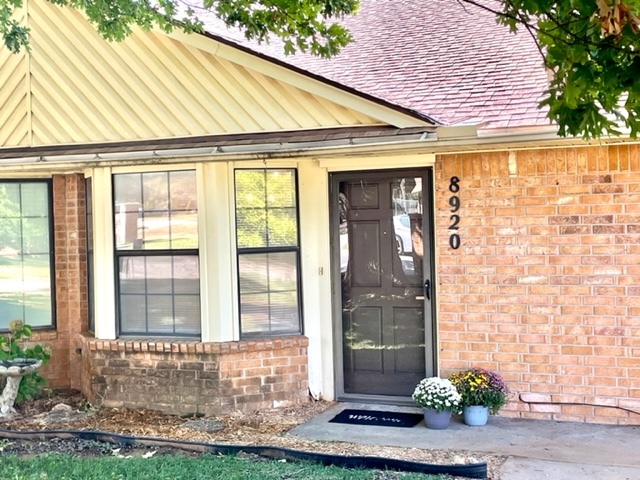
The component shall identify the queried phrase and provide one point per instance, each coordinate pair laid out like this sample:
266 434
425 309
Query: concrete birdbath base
14 370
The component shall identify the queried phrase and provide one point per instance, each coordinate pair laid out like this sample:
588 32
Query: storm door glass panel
26 253
268 252
381 268
157 253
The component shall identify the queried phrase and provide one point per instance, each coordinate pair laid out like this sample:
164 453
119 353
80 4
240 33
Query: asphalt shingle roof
443 58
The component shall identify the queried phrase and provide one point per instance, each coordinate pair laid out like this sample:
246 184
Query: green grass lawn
171 467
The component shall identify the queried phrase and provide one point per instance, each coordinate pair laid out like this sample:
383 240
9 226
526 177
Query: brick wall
69 234
545 287
193 377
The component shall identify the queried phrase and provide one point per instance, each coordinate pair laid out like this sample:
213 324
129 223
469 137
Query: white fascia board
384 114
366 162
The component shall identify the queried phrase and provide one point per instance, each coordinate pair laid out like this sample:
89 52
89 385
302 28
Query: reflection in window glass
156 211
25 253
160 295
268 253
156 240
269 292
266 208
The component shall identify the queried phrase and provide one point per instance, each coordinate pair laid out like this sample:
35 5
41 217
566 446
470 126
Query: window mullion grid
139 251
268 250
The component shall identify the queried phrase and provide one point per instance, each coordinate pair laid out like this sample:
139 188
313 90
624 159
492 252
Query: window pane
187 312
251 228
34 200
282 227
133 313
266 218
37 290
159 274
10 193
155 191
25 261
160 314
269 292
250 189
266 213
159 213
160 295
11 236
127 190
186 275
281 189
35 235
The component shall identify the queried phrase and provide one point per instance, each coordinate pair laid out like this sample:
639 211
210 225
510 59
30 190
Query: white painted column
313 186
103 257
216 240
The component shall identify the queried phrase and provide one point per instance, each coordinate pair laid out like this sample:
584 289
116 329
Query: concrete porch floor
537 449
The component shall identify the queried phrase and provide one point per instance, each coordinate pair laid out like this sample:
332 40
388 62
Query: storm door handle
427 289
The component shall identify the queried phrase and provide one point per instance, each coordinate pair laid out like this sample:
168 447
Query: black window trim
52 253
117 254
276 249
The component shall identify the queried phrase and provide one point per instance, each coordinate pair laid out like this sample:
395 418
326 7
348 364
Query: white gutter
447 140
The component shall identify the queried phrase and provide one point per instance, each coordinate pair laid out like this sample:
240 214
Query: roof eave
381 109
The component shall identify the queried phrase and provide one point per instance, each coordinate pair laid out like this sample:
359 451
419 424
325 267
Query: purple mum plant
478 386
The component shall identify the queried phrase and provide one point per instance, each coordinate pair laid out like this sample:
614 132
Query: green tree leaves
592 51
590 47
303 25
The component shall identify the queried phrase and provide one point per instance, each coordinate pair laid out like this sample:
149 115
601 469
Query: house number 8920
454 203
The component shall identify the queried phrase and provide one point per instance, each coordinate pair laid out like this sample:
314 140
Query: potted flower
438 398
482 391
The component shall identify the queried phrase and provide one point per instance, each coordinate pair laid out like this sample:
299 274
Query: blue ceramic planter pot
436 420
475 415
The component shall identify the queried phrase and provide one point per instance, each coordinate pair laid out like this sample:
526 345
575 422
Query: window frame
141 252
266 250
52 251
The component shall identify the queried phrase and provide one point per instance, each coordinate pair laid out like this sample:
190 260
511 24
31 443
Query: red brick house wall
70 252
545 287
188 377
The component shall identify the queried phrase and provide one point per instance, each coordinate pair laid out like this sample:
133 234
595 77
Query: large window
268 251
156 237
26 253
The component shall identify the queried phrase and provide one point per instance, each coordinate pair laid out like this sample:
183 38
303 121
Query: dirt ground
264 428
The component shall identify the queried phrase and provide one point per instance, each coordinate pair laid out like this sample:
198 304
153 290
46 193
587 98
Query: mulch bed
254 428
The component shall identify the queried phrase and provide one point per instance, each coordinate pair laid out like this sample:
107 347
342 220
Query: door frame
430 319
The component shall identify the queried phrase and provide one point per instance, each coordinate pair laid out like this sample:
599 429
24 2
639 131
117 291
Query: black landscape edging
474 470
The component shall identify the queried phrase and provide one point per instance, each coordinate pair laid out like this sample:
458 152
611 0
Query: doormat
378 418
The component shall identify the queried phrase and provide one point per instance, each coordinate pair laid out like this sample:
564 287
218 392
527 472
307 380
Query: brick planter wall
192 377
545 287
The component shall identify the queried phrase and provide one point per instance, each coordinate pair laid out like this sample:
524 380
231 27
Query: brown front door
385 282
